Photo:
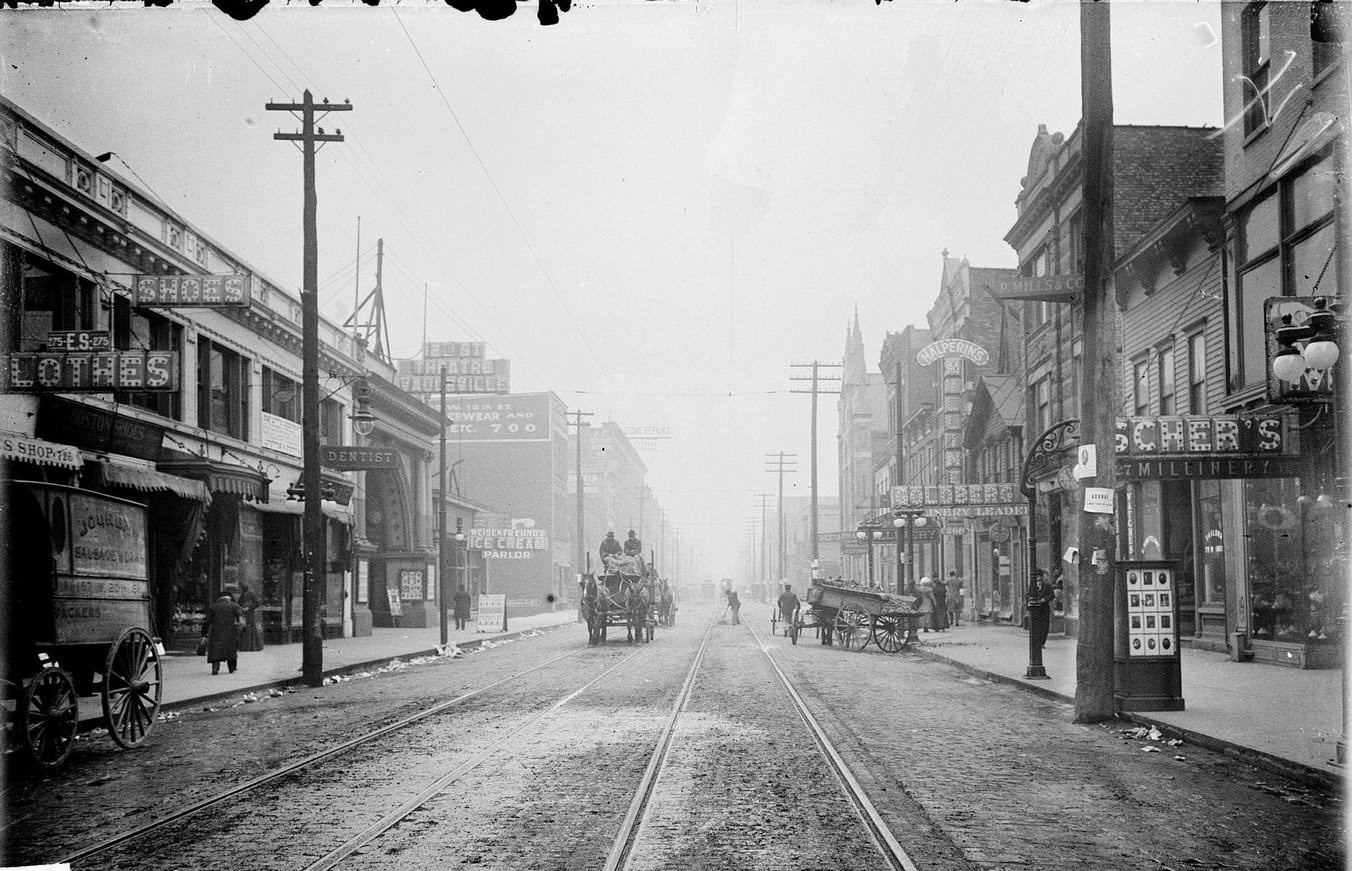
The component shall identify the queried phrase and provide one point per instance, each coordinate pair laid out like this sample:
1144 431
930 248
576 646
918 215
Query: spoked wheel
889 632
852 628
49 717
132 681
774 621
792 628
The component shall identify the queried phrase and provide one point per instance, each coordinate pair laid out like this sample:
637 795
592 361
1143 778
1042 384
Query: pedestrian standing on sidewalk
939 619
955 599
925 606
1040 596
460 603
223 623
251 636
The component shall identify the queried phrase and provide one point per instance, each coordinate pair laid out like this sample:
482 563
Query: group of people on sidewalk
941 602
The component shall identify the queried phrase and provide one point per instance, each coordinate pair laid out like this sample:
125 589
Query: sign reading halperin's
190 291
347 459
101 372
953 348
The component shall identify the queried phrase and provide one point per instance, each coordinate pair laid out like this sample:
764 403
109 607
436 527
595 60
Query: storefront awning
220 477
25 449
296 508
115 474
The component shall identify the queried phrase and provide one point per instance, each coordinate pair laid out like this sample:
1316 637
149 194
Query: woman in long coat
222 633
252 636
925 603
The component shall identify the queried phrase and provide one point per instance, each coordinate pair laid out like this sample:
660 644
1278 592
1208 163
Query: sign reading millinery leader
952 348
191 291
98 372
349 459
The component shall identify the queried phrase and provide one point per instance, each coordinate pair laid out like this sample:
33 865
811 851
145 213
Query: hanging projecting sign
100 372
79 340
350 458
191 291
1047 288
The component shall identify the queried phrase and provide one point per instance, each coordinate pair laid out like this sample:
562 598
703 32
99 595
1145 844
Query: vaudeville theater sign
1225 446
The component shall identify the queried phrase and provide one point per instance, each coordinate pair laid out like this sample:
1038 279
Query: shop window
1285 247
143 330
222 389
1295 593
1167 381
1256 36
1197 373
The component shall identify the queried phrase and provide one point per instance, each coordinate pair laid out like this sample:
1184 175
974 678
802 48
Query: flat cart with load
76 599
852 616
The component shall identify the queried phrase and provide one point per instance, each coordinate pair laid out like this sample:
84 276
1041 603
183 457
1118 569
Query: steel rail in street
300 764
633 818
883 838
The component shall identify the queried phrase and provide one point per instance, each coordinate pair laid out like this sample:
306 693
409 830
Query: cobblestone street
967 774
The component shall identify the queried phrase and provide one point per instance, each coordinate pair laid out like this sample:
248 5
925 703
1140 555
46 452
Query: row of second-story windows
1284 246
1064 253
52 299
1171 380
998 462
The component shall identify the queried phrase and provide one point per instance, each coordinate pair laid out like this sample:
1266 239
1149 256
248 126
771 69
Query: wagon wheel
851 629
131 687
793 626
889 632
774 621
49 717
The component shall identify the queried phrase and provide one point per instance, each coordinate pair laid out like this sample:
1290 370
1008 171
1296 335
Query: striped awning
220 477
115 474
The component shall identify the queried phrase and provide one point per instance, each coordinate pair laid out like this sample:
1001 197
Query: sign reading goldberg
191 291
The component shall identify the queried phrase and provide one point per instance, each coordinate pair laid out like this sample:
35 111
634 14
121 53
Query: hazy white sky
652 208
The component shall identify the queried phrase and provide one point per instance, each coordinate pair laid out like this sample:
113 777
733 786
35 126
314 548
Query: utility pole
905 579
312 632
816 378
441 520
781 463
581 500
1100 385
764 500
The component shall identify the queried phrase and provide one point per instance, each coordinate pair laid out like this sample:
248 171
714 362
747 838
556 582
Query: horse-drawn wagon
625 594
851 617
76 600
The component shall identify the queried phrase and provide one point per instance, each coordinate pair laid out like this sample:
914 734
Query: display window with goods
1295 546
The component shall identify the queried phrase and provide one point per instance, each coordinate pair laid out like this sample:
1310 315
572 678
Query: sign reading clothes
191 291
98 372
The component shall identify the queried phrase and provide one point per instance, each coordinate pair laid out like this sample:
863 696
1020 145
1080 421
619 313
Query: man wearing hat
633 546
1040 597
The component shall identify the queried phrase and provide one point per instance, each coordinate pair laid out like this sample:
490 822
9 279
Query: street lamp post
908 519
867 535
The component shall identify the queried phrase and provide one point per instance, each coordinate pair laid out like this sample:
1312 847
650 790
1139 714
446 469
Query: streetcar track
306 762
881 833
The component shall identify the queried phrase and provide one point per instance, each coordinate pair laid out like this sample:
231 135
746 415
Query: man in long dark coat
222 631
461 603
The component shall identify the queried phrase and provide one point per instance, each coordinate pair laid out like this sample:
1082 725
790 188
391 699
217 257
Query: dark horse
612 601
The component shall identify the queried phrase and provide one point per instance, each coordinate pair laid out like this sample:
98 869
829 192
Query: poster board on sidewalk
396 607
492 613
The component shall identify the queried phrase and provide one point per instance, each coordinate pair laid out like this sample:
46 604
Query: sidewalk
1282 719
188 679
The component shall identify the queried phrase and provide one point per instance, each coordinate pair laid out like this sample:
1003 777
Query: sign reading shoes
190 291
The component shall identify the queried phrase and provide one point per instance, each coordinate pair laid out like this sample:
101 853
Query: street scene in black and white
675 434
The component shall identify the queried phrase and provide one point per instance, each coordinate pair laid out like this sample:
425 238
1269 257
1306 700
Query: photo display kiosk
1147 668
